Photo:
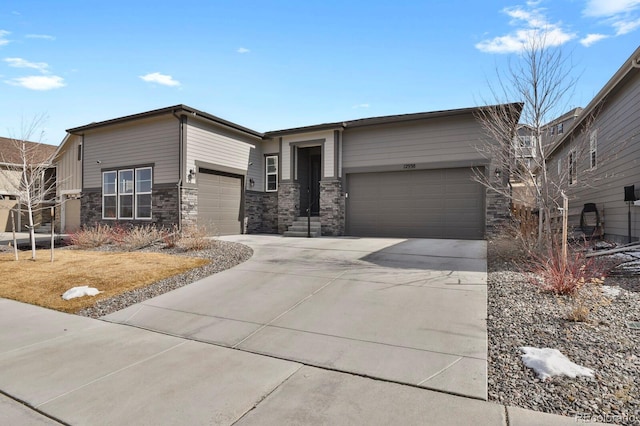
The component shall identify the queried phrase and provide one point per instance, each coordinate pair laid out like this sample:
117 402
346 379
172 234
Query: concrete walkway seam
289 310
36 409
114 372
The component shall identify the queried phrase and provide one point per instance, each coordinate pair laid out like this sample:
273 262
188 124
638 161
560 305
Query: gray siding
216 146
618 127
258 168
152 140
447 139
69 168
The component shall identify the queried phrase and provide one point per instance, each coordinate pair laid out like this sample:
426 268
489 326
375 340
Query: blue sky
271 65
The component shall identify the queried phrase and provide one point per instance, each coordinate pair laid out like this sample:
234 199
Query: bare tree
541 79
24 172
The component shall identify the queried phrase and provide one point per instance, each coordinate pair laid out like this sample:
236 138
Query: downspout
180 166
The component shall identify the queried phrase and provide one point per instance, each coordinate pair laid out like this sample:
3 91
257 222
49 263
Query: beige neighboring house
11 164
68 163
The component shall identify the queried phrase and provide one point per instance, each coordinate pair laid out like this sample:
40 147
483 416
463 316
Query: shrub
552 274
139 237
95 236
193 238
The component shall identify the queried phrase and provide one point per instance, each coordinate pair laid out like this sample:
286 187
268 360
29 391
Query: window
593 149
109 194
271 173
126 194
560 128
573 168
143 193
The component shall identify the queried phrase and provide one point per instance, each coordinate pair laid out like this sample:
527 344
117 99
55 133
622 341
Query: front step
299 227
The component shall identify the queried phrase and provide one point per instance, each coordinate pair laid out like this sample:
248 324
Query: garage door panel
220 203
444 203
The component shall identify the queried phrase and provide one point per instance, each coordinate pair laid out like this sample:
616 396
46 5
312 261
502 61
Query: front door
309 175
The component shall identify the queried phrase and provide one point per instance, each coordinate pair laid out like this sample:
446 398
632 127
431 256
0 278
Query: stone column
332 207
288 204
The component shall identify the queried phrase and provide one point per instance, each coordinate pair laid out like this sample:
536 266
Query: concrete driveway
407 311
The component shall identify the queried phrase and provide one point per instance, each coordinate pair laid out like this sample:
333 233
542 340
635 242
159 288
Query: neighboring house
407 175
11 167
68 162
526 153
599 154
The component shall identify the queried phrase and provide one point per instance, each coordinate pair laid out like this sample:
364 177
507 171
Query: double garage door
443 203
220 202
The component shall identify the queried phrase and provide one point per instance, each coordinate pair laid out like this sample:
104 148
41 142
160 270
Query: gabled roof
37 152
168 110
387 119
630 65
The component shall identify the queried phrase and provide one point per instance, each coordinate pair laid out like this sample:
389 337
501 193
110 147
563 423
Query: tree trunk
32 232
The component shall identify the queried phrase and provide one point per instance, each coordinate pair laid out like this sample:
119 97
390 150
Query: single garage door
220 202
443 203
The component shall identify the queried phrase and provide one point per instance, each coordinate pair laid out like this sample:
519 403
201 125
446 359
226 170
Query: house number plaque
409 166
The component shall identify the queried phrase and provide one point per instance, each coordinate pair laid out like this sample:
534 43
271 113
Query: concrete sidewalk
81 371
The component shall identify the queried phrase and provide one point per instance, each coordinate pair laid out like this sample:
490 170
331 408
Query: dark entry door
309 175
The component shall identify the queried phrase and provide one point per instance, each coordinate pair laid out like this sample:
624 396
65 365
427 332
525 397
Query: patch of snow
610 291
81 291
548 362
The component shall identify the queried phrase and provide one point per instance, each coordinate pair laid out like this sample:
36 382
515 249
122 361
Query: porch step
299 227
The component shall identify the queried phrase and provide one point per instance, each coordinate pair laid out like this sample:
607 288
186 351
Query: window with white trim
573 167
593 149
126 193
271 173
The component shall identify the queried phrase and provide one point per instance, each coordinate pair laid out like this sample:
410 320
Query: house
527 154
11 166
599 154
408 175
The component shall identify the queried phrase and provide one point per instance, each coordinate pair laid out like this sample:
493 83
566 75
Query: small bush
552 274
140 236
92 237
193 238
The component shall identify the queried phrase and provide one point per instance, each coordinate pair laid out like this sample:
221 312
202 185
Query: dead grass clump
140 236
91 237
193 238
587 300
42 283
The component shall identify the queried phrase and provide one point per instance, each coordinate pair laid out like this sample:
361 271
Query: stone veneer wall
164 208
497 206
288 204
332 208
189 206
261 212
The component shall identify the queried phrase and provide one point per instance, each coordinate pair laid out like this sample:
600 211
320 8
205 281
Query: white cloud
3 39
243 50
621 15
360 106
41 36
625 26
38 82
592 39
530 23
156 77
23 63
606 8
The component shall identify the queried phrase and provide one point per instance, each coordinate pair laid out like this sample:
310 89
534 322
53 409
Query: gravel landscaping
222 254
519 314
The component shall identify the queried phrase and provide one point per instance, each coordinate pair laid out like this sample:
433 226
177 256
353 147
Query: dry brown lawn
42 283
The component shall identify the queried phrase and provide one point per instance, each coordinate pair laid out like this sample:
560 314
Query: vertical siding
208 143
432 140
152 140
69 171
618 127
